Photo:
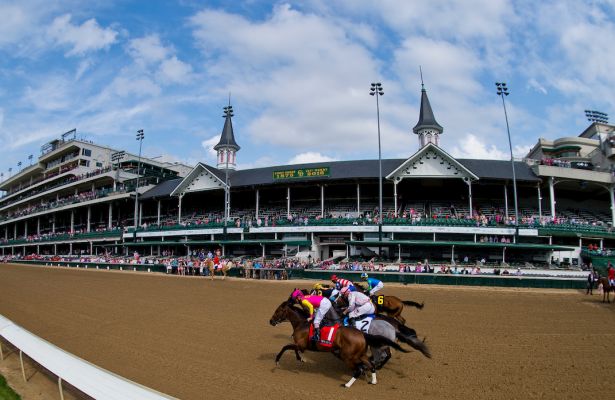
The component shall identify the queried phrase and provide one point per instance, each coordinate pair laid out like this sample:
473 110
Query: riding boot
316 336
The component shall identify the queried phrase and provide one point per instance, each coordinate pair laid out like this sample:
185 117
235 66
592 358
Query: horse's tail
414 342
413 304
379 341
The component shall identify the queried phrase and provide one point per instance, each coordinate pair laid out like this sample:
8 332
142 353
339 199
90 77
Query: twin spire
227 147
427 128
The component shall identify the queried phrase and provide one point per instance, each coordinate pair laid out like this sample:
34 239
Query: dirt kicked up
193 339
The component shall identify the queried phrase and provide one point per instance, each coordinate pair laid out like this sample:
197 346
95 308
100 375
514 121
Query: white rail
86 377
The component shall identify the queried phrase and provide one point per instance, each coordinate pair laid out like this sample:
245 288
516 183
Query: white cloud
173 70
51 94
83 38
208 145
14 23
474 147
148 49
310 157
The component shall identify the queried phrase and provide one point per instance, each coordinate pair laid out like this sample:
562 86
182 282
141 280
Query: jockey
358 303
342 283
611 274
373 285
309 303
322 290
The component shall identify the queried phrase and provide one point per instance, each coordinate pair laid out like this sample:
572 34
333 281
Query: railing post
1 353
23 372
60 388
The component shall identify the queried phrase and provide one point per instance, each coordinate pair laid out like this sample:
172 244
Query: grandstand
78 199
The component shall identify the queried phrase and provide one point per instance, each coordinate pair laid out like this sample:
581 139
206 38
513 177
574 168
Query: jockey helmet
317 286
296 294
345 291
334 277
364 275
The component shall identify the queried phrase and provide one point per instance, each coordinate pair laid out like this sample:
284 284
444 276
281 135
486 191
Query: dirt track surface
193 339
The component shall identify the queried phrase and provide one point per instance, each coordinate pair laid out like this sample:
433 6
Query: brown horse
390 305
393 306
349 344
607 288
223 268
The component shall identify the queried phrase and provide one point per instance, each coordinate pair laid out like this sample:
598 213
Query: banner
302 173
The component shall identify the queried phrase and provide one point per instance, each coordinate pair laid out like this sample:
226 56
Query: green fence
393 277
438 279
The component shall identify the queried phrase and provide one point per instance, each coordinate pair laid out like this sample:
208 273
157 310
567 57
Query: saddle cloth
364 322
327 334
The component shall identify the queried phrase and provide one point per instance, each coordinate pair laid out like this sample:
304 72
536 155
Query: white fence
91 380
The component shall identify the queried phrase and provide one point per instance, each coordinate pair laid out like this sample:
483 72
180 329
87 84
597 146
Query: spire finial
422 84
229 98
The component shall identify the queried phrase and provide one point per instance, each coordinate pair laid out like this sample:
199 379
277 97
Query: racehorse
389 327
223 268
349 344
391 305
607 288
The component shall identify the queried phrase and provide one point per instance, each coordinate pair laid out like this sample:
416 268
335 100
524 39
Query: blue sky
299 75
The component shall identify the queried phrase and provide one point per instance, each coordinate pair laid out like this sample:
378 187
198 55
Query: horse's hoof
277 363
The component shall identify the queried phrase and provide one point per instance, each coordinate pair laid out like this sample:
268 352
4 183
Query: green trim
528 246
560 148
219 242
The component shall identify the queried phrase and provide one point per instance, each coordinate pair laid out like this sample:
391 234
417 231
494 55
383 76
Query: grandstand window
98 165
86 152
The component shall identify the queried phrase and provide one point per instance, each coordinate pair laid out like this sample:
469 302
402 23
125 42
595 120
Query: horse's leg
358 371
366 363
287 347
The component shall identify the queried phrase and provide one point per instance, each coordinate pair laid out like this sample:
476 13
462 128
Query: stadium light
30 158
10 170
376 90
19 165
502 91
597 116
140 137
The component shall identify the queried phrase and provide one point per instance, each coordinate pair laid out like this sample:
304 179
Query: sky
298 75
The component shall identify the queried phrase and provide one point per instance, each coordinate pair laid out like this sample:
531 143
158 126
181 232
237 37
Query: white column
179 213
15 231
257 203
506 201
110 222
358 199
25 228
38 226
140 212
53 224
158 214
263 251
552 196
612 195
322 201
539 202
288 202
89 219
395 197
469 183
72 220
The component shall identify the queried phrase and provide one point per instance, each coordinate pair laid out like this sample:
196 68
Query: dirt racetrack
196 339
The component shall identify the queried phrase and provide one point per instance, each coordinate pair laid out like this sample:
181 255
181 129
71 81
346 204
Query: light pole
140 136
19 165
228 113
30 158
502 91
596 117
376 90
